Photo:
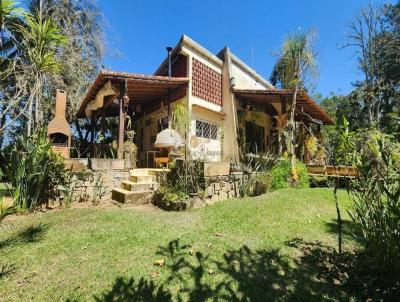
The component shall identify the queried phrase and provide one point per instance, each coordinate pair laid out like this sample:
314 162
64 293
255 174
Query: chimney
169 49
58 128
61 104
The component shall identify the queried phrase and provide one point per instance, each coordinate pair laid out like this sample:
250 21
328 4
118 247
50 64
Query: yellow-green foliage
312 145
282 176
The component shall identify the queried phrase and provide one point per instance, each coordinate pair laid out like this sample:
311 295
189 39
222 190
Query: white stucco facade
235 74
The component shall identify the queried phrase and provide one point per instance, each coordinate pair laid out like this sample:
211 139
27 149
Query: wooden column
283 105
121 124
306 158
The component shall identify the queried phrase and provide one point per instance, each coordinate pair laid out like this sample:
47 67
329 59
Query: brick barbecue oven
59 130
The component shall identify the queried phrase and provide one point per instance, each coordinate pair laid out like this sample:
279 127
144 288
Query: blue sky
141 30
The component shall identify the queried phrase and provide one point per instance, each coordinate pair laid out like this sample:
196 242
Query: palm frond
296 60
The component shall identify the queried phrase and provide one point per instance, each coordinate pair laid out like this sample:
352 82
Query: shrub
259 184
319 181
33 169
186 176
171 199
253 183
281 175
172 194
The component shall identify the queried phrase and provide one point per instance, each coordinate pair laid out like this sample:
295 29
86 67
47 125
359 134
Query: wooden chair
160 161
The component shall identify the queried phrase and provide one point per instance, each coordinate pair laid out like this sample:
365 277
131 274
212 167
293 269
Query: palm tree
42 39
296 63
11 16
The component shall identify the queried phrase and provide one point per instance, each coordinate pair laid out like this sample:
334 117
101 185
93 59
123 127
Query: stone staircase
139 188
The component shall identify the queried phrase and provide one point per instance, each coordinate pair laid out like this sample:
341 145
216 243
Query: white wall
203 148
244 80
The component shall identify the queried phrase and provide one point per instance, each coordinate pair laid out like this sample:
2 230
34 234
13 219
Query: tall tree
369 37
11 17
42 39
374 34
390 121
81 58
77 62
297 62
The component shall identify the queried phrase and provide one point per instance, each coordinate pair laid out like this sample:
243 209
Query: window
255 138
206 130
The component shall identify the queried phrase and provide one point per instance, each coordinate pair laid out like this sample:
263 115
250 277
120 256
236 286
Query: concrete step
139 187
142 172
147 171
136 198
142 178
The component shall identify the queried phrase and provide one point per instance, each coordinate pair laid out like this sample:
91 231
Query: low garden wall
219 188
94 179
90 185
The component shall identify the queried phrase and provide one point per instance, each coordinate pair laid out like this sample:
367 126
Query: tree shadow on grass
6 270
31 234
350 229
319 273
28 235
129 290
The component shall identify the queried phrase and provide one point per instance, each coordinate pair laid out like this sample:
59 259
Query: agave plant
5 209
33 170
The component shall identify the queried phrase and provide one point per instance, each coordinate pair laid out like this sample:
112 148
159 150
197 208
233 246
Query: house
232 108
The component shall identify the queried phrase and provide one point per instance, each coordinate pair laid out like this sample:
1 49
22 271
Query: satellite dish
168 138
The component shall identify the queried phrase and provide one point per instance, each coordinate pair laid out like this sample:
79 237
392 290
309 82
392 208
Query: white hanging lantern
168 138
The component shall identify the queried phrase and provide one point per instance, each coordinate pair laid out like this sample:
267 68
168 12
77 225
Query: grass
270 247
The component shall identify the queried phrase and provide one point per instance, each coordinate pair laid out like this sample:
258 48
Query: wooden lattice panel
179 67
206 83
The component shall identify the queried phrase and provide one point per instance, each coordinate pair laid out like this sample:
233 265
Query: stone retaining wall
95 177
89 184
222 187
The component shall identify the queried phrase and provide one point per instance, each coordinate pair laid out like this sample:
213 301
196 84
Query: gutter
185 40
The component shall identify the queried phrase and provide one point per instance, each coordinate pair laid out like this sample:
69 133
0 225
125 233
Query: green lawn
255 249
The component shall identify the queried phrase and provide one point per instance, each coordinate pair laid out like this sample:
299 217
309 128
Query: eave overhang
141 89
305 105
